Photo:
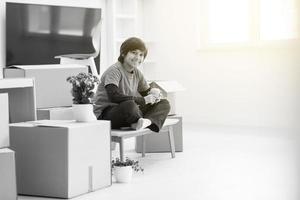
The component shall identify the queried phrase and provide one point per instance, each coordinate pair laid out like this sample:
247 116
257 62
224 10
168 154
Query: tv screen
35 34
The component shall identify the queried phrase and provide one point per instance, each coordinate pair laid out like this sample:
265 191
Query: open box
169 89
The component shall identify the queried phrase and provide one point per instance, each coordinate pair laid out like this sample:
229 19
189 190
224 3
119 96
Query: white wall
250 86
75 3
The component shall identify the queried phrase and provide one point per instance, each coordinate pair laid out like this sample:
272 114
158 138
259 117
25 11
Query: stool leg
171 140
143 145
121 146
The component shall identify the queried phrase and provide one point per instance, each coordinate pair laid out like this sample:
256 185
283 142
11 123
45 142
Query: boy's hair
132 44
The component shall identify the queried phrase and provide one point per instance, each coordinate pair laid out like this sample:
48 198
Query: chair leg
143 145
121 146
93 66
171 141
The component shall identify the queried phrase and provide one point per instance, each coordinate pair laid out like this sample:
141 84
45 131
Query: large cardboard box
21 98
8 190
57 113
169 89
61 158
52 89
159 142
4 137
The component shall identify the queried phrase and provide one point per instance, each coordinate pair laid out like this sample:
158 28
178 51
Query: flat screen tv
37 33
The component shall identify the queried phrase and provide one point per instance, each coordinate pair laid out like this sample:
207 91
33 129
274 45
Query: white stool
119 136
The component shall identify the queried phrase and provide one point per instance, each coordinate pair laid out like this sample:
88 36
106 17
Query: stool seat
119 136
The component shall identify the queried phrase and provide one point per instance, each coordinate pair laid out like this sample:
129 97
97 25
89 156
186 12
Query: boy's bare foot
141 124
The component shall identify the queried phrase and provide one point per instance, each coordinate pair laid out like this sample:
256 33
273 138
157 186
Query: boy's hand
156 93
150 98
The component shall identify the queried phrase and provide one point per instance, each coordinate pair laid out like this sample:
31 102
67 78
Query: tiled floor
218 163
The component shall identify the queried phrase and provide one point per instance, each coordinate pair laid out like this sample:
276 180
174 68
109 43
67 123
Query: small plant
82 87
128 162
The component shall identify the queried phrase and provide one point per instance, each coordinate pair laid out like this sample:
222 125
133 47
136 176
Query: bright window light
228 21
278 19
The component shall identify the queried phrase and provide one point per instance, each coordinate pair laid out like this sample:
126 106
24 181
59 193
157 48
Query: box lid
47 66
16 83
57 123
168 86
6 150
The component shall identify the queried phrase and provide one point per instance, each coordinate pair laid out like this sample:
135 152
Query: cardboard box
159 142
52 89
4 137
62 158
169 89
8 190
21 98
58 113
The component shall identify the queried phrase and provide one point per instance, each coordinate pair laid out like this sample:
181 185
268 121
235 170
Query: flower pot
83 112
123 174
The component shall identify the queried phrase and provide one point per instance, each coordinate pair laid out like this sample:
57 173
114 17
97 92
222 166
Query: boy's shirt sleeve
112 77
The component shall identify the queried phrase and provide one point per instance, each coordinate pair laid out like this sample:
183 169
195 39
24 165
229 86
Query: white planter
83 112
123 174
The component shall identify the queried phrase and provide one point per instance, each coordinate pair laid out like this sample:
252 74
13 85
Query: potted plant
83 85
123 170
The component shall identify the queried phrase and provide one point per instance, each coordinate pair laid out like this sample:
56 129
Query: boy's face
134 58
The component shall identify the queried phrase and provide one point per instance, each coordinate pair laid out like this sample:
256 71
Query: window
278 19
226 24
247 21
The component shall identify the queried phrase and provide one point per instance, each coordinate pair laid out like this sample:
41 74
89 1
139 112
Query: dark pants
128 112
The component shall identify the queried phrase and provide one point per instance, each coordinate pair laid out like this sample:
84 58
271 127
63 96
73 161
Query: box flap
48 123
47 66
56 123
168 86
6 150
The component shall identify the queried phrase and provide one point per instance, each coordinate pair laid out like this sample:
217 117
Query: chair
85 59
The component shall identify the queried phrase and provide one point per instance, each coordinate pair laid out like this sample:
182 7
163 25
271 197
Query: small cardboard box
57 113
169 88
61 158
159 142
8 186
4 121
21 98
52 89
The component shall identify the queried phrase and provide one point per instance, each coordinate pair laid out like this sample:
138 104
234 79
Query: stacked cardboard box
21 95
53 92
8 189
4 136
57 113
61 158
57 159
52 89
17 103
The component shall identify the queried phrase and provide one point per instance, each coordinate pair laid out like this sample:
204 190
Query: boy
123 95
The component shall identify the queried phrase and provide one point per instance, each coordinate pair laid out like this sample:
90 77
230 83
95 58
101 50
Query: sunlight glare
228 21
278 19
